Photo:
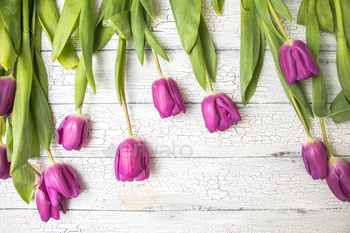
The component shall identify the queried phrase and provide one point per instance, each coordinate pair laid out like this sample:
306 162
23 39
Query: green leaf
208 49
120 69
340 109
12 19
281 8
66 26
346 11
35 145
262 9
218 5
41 114
295 89
5 3
343 67
22 125
187 18
312 30
80 84
324 16
138 29
9 141
120 24
24 181
197 62
303 11
155 45
48 17
149 7
86 34
3 126
7 52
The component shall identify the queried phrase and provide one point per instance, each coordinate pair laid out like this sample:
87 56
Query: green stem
80 108
157 63
125 107
297 109
25 16
31 168
13 69
278 22
50 156
339 15
207 79
325 138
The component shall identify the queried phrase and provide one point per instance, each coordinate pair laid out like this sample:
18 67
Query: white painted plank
139 79
266 129
180 184
225 29
180 221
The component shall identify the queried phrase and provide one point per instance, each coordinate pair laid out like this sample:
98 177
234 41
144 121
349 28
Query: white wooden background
249 178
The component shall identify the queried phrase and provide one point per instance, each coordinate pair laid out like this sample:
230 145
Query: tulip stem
50 156
278 22
208 81
325 138
80 108
125 107
13 69
297 109
31 168
157 63
339 15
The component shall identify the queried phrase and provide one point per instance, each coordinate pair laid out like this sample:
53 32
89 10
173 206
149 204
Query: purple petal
43 205
4 164
59 131
55 180
315 157
333 180
162 99
210 114
175 92
83 135
72 181
287 64
54 196
7 95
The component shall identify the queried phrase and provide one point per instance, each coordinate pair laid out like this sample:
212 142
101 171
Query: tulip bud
45 208
72 132
167 98
338 178
60 180
7 95
315 158
4 164
132 160
219 112
297 62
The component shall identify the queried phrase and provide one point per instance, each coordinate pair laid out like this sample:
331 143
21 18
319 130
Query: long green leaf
48 17
9 141
120 24
4 3
155 45
138 29
281 8
218 5
340 109
197 62
324 15
66 26
86 39
149 7
24 181
120 69
80 84
209 53
3 126
346 12
187 18
12 19
302 14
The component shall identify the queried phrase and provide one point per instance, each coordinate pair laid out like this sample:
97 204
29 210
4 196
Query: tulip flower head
7 95
132 160
297 62
4 164
44 205
219 112
338 178
72 132
315 158
167 98
60 180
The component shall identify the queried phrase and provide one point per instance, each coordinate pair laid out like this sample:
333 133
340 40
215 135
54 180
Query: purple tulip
315 158
60 180
167 98
72 132
132 160
7 95
4 164
44 205
338 178
219 112
297 62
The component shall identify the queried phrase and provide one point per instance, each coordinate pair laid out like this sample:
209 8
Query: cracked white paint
250 178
